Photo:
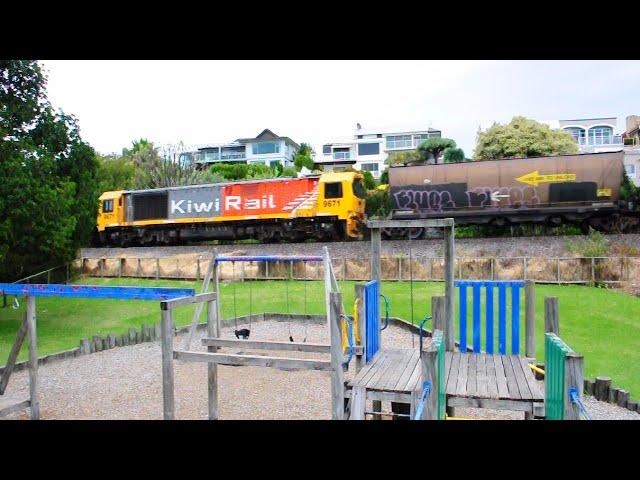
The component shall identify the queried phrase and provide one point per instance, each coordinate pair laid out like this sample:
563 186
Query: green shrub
594 245
378 204
368 180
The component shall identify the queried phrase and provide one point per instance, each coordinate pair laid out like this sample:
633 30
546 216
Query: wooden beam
491 403
449 253
530 318
253 360
33 358
362 324
421 223
384 396
13 355
358 403
429 367
573 377
213 329
166 342
188 338
267 345
178 302
337 374
551 315
376 247
16 407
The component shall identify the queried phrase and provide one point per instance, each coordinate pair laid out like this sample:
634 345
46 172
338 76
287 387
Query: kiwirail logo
187 206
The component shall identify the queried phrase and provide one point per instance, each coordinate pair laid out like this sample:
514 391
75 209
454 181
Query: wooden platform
490 381
472 380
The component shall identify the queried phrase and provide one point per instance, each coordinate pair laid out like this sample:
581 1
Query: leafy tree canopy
522 138
49 187
432 148
452 155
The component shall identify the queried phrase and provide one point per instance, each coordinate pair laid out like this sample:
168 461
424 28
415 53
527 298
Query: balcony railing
342 155
215 158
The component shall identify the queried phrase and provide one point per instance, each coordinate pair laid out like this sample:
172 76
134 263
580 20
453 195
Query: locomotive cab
110 212
342 195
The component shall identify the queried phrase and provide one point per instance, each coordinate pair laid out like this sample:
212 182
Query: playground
389 361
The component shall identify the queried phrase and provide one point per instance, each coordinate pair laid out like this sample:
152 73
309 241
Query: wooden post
593 270
33 358
524 268
157 268
13 355
101 261
362 324
493 277
530 318
573 377
337 374
601 388
429 367
376 247
438 309
558 269
120 262
139 268
178 268
166 331
399 268
213 330
551 315
198 267
449 253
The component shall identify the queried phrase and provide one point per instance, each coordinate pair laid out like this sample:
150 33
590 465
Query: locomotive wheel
415 233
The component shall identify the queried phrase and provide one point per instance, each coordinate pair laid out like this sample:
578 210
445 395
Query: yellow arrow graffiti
534 178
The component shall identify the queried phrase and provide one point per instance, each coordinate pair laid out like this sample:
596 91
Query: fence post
573 377
530 318
138 268
524 269
551 316
337 374
558 269
120 262
376 246
198 267
593 271
166 332
438 307
493 277
82 262
157 268
101 261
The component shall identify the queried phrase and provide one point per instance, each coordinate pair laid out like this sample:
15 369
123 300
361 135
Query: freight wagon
578 189
325 207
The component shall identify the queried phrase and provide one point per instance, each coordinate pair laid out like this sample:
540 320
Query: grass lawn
602 325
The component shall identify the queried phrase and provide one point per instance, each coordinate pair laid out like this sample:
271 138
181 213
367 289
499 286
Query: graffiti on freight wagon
445 197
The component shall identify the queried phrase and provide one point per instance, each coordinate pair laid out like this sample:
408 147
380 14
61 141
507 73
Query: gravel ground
125 383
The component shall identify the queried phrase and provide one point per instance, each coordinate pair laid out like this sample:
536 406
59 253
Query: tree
522 138
163 167
403 157
368 180
433 147
48 187
384 177
303 157
115 173
452 155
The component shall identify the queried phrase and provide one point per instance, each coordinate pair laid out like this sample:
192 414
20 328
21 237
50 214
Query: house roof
266 135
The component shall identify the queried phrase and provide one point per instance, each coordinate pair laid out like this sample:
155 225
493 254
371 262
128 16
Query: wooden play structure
421 383
28 327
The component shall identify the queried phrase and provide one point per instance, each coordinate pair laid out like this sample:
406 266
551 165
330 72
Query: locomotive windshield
358 189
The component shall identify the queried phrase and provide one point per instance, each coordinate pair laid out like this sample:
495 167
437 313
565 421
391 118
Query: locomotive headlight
426 181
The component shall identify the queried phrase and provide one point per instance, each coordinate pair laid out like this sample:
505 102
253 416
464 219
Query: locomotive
324 207
581 189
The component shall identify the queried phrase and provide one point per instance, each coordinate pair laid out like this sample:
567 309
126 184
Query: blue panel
95 291
476 318
270 258
507 283
372 324
502 319
463 317
515 320
489 319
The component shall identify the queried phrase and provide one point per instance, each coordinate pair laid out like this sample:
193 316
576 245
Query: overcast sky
317 101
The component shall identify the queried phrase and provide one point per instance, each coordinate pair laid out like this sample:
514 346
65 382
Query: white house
601 134
267 148
368 148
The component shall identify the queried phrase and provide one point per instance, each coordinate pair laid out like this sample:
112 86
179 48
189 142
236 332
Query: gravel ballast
126 383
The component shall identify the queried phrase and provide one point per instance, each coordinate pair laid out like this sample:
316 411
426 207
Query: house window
418 139
273 163
600 135
399 141
107 206
333 190
368 148
631 169
369 167
265 148
326 149
578 134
